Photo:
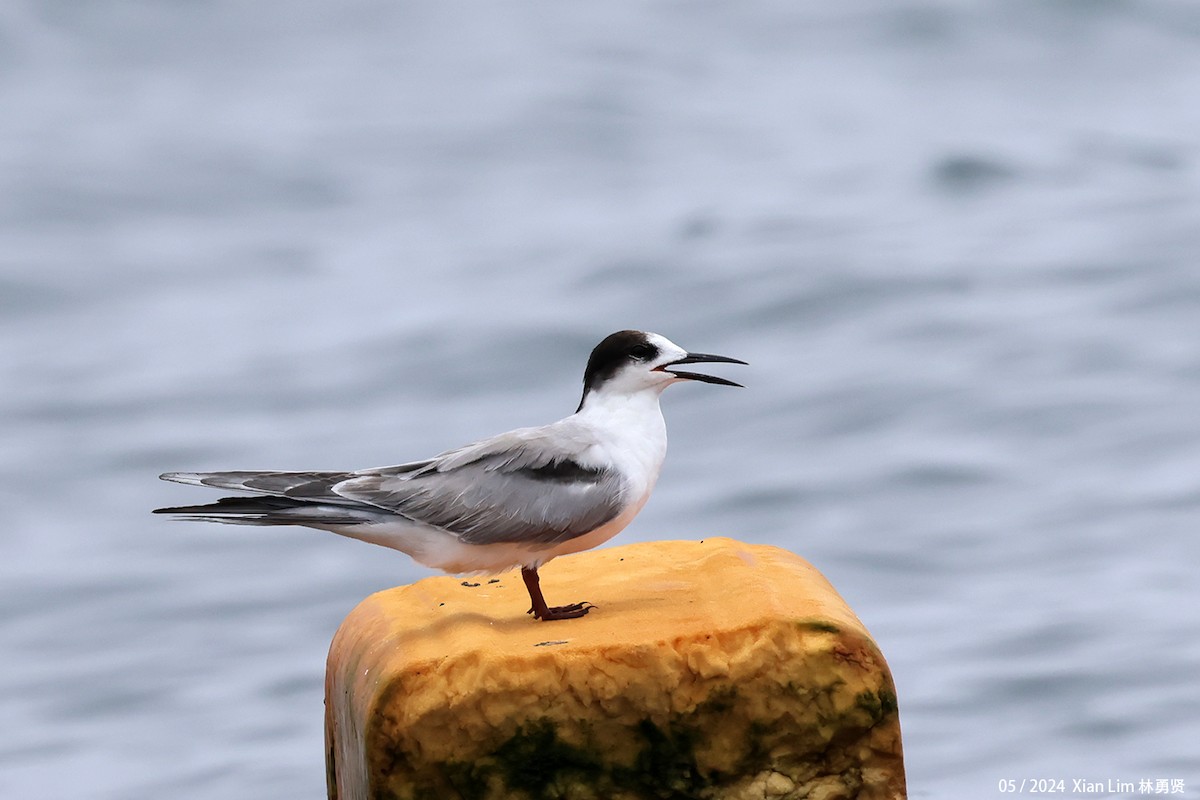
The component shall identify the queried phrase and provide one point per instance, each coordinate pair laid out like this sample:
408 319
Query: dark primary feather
267 511
309 485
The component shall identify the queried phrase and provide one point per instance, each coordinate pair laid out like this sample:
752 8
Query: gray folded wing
522 487
532 485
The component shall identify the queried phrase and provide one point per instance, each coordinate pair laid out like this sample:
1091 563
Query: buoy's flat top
643 593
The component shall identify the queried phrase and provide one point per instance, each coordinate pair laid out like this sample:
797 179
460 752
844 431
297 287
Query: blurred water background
959 243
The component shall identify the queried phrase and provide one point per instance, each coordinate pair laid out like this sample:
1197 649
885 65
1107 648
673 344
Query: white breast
631 436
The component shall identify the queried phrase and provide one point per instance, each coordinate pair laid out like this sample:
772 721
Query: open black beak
699 358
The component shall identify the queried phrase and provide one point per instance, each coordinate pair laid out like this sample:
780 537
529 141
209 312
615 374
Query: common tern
518 499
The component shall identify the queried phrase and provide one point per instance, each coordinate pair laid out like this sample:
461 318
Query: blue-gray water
958 241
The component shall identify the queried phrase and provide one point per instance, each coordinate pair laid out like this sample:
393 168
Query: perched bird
515 500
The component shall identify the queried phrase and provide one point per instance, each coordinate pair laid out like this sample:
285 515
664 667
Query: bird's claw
573 611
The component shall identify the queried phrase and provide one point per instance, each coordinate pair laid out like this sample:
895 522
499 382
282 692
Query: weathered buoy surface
708 669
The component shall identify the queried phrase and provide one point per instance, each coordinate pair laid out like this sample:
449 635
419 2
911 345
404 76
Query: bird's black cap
614 352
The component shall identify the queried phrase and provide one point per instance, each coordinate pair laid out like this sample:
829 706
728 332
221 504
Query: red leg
542 611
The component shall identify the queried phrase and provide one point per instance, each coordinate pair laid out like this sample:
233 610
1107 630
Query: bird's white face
644 367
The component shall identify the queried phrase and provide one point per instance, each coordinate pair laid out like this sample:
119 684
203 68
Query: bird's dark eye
641 351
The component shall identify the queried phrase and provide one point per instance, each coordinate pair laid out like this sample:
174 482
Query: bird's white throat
631 434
